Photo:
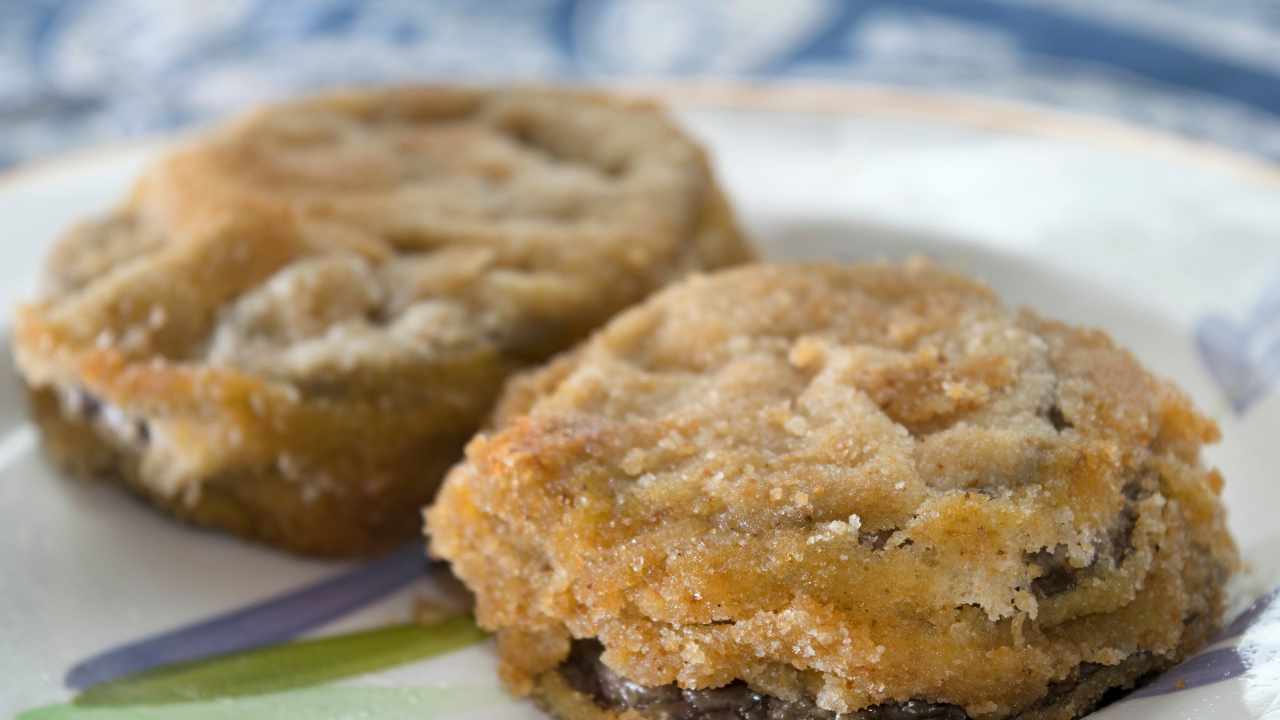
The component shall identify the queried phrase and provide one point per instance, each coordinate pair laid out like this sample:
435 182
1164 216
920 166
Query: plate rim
823 97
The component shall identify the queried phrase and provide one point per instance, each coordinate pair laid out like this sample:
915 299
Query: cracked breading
305 314
839 484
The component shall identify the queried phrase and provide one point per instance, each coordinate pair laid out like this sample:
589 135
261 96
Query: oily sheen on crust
854 487
295 322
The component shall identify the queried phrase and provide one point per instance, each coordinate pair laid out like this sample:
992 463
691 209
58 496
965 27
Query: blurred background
81 72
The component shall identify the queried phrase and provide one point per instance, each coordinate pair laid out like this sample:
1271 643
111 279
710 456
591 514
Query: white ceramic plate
1171 247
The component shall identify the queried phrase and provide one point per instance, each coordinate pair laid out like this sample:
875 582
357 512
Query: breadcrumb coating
309 311
842 483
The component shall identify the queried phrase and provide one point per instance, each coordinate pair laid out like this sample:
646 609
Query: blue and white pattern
75 72
1243 355
274 620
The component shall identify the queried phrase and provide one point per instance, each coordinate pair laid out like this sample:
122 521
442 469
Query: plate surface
1171 248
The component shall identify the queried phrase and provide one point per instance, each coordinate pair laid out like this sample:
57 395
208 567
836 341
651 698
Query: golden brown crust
312 308
857 484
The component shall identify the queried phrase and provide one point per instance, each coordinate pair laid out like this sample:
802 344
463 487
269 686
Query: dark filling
83 405
142 431
1058 576
585 673
88 406
876 539
1061 690
1057 419
1121 535
736 701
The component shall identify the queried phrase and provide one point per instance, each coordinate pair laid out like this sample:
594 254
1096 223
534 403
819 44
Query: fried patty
296 321
839 489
